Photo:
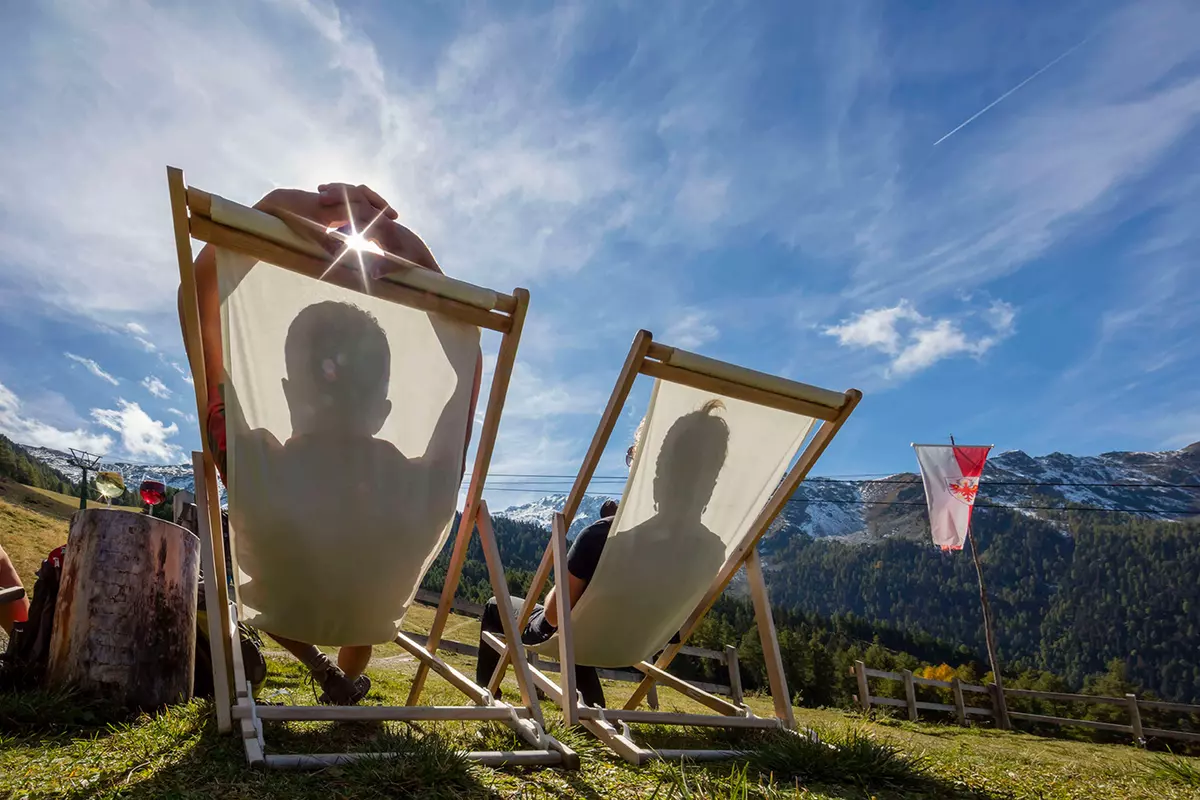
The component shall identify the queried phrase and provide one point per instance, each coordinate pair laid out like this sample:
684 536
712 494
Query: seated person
332 206
690 458
582 559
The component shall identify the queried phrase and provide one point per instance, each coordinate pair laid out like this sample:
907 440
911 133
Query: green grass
56 744
1177 769
52 504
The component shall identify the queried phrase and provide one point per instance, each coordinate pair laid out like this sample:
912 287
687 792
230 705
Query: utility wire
914 480
1080 509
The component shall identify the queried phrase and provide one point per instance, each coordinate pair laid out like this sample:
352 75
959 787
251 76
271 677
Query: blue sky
758 182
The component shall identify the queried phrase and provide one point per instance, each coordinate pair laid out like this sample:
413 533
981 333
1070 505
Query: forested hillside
1068 596
17 463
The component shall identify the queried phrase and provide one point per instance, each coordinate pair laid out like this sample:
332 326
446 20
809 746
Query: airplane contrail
1001 98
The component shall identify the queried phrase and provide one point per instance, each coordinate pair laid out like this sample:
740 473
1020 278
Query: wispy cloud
17 424
186 417
141 436
691 330
915 342
140 335
93 368
156 387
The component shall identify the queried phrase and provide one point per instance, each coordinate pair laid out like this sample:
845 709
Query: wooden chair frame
193 214
647 357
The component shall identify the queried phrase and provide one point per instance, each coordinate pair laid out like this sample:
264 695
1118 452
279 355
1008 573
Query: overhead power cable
916 480
1070 509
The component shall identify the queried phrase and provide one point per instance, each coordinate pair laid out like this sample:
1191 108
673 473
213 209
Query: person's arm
332 205
14 610
582 559
575 586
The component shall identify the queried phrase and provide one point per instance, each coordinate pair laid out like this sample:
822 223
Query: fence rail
729 657
1130 702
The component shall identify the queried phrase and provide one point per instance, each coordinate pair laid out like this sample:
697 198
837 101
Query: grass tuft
847 756
1176 769
421 766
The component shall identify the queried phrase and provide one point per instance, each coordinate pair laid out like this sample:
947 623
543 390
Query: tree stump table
125 620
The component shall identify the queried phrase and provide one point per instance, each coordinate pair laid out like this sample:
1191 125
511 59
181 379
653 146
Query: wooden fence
961 710
728 657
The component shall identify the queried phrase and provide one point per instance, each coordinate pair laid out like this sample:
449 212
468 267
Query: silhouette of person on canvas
332 205
665 561
334 508
671 557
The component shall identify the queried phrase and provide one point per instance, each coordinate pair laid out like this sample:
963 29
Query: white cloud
927 346
183 372
186 417
141 436
916 342
156 387
92 367
534 395
140 335
876 328
691 330
21 428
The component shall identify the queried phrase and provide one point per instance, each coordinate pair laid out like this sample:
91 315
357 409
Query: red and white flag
951 474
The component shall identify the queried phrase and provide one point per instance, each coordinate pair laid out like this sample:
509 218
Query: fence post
652 697
960 708
864 692
1135 719
999 708
735 674
910 694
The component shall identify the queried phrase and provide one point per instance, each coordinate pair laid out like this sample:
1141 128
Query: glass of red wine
153 491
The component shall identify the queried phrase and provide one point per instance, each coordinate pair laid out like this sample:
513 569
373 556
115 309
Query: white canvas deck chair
709 476
347 409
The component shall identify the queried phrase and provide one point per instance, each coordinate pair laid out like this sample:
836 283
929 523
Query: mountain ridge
1152 485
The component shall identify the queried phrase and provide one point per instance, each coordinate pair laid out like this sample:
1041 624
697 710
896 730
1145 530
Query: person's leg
587 681
353 660
17 610
306 654
485 663
338 688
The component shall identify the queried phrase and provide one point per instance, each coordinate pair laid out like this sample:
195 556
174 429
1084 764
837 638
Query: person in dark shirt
582 558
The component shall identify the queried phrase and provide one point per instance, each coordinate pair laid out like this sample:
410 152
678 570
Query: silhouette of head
608 509
338 367
690 461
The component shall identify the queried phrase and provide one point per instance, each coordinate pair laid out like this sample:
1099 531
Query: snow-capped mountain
894 506
178 476
542 511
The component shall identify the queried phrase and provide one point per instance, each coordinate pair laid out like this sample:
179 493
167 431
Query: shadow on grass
776 763
40 714
208 765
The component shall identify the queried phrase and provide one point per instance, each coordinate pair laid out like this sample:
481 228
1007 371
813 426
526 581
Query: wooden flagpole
989 634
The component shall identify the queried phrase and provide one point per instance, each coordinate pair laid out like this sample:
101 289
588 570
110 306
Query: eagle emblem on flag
964 489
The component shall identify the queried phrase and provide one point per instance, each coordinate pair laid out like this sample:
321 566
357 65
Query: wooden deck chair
709 476
332 532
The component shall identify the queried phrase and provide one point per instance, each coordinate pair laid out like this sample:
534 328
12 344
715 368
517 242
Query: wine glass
153 490
110 485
